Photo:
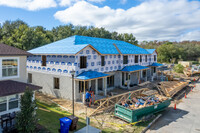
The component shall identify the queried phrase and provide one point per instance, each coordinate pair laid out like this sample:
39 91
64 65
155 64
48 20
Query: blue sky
146 19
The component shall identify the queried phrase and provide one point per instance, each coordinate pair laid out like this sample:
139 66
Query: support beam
96 87
138 77
105 89
146 75
129 80
84 92
90 83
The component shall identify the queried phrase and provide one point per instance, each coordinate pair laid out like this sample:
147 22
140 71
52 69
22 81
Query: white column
90 83
105 83
146 74
138 77
129 80
124 78
96 87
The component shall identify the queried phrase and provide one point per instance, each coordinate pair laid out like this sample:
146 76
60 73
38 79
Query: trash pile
136 103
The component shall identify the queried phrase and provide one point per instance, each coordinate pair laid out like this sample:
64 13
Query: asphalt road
185 119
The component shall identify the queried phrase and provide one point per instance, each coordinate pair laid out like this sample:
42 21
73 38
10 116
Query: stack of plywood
170 88
185 63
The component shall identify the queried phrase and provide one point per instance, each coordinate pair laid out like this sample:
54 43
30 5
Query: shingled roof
10 87
6 50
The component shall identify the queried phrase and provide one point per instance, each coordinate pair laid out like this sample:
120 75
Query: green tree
26 119
179 68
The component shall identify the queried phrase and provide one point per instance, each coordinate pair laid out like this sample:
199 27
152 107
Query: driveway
185 119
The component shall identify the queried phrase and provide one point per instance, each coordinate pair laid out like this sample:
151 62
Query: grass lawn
49 116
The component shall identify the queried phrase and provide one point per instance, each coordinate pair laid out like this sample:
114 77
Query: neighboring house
13 79
99 64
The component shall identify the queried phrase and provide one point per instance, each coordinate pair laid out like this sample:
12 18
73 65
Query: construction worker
87 97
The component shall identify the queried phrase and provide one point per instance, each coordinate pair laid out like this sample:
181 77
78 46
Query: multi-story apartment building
99 64
13 80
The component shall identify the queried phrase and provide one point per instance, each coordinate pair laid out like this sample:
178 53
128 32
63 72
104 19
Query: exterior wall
22 72
61 65
55 64
112 62
47 82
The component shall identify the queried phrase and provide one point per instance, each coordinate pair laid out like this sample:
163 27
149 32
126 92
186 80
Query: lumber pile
170 88
141 102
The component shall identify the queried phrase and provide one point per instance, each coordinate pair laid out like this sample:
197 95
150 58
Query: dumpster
74 122
65 124
133 115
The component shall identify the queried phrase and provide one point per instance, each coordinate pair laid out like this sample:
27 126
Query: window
136 59
110 81
44 59
154 57
83 62
145 58
140 58
13 101
149 58
102 60
125 59
56 83
9 67
29 78
3 104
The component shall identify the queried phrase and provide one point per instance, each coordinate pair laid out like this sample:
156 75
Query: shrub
26 120
179 68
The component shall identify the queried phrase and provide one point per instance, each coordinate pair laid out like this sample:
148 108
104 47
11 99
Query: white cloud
31 5
97 1
71 2
123 1
155 19
67 2
193 35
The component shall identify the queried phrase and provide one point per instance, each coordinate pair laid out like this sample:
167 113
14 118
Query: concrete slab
186 119
90 130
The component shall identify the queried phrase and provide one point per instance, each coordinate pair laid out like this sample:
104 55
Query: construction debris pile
136 103
170 88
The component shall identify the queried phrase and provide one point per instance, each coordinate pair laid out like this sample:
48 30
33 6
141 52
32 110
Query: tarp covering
91 75
133 68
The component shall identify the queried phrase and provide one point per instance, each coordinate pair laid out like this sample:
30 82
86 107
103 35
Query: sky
174 20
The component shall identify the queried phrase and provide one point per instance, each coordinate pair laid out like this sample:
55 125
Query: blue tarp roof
64 46
133 68
151 50
156 64
74 44
90 75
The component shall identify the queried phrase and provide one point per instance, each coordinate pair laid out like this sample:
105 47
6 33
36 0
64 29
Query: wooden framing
108 103
89 45
170 88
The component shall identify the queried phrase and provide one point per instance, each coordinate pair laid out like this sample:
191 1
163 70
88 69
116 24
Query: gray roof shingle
6 50
10 87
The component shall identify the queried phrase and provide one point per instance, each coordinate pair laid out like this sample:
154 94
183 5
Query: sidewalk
185 119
